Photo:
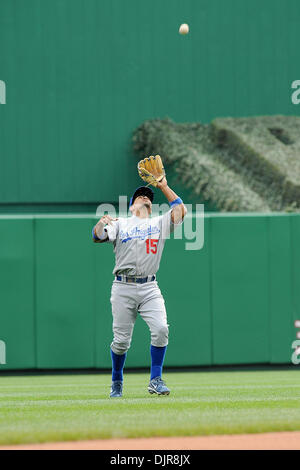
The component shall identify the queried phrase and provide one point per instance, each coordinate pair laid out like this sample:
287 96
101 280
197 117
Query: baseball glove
151 170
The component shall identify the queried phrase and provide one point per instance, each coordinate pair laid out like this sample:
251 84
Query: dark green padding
233 302
240 301
17 311
282 259
295 269
65 293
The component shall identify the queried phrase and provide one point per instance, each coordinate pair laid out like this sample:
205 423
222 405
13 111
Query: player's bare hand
107 220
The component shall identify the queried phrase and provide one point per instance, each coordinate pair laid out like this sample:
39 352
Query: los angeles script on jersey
137 232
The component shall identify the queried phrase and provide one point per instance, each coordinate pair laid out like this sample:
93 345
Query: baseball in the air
184 28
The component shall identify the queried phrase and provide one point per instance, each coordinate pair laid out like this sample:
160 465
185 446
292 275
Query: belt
137 280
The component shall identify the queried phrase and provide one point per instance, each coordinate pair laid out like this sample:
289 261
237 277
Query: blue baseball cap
142 191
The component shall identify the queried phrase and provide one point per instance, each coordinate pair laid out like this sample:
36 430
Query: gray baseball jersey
138 246
139 243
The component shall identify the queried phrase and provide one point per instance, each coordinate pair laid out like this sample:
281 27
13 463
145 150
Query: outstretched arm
178 210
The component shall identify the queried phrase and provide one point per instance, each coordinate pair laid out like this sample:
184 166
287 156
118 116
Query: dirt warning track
264 441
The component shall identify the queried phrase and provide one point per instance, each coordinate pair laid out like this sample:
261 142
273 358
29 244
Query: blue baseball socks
157 360
118 361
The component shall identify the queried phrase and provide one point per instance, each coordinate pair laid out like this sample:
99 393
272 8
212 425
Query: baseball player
138 243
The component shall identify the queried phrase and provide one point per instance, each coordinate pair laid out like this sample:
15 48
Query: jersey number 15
151 245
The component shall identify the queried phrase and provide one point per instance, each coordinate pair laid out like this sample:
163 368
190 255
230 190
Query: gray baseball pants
127 299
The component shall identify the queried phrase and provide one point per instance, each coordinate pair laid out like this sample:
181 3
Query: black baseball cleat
116 389
158 386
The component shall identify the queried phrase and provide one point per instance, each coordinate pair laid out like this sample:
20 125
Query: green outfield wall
232 302
80 76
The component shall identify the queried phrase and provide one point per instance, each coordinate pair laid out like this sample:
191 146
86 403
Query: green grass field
70 407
